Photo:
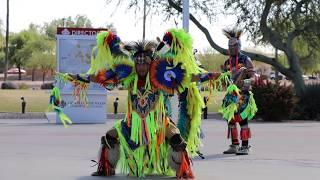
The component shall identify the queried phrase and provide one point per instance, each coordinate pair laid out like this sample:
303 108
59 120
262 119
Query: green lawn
37 100
215 101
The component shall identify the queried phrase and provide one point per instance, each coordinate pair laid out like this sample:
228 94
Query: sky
128 25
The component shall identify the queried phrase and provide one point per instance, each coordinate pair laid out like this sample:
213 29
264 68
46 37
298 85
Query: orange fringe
185 167
104 164
128 114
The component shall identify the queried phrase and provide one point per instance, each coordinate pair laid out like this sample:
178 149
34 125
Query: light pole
185 15
185 23
7 44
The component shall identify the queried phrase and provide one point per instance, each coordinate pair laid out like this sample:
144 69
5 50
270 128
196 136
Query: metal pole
7 44
185 23
185 13
144 20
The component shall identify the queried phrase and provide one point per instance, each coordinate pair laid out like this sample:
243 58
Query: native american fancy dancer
147 141
238 105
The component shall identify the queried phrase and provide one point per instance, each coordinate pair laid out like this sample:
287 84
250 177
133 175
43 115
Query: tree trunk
299 85
297 78
19 68
32 76
43 76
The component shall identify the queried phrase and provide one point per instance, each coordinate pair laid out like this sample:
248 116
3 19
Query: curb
42 115
30 115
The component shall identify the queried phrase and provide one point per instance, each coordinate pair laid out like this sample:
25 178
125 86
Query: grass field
37 100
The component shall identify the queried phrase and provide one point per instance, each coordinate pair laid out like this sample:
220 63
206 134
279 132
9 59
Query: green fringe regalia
236 102
142 133
191 102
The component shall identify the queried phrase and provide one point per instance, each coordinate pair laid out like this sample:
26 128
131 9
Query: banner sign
73 54
79 31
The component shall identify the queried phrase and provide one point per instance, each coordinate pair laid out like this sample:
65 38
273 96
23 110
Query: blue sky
128 25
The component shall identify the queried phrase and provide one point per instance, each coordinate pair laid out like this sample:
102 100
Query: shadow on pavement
213 156
122 177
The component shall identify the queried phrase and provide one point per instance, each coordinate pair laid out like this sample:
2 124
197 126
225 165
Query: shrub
47 86
8 85
275 102
308 106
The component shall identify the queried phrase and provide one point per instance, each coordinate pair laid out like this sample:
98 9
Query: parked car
16 71
313 77
273 76
305 77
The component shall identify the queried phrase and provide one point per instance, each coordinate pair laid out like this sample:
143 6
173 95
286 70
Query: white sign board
74 56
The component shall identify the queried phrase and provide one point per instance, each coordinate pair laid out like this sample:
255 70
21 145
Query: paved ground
35 150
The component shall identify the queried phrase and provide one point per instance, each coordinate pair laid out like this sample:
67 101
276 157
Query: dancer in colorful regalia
147 141
238 106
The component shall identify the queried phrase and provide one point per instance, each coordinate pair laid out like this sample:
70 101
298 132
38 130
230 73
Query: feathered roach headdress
234 36
142 52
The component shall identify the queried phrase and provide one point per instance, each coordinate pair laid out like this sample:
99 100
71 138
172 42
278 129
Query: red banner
79 31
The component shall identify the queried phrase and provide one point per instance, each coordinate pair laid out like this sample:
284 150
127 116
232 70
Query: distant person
23 105
115 106
205 109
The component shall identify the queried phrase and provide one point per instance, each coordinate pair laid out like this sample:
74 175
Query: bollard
23 105
115 106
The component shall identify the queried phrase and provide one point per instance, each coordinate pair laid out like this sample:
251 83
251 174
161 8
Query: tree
1 35
17 54
34 63
309 57
25 43
210 55
50 29
43 61
82 21
47 63
278 22
111 27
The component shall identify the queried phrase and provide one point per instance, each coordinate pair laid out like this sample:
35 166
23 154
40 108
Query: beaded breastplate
144 101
